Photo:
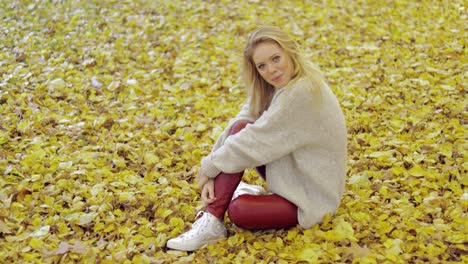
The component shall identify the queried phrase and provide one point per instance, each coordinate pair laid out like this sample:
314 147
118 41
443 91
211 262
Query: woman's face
273 64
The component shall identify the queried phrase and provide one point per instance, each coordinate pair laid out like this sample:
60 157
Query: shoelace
204 221
200 219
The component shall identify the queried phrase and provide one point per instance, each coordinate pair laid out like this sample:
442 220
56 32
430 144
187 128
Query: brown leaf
79 248
357 251
64 248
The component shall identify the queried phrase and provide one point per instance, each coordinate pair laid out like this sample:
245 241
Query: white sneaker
244 188
207 229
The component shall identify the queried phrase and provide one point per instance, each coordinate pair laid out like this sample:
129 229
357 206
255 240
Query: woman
293 125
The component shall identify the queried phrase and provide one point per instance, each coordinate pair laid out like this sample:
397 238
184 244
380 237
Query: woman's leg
226 183
210 227
262 212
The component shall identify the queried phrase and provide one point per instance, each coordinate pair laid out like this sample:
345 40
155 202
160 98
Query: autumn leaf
357 251
64 248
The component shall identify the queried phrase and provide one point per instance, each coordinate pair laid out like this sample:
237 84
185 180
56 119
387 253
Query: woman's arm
290 123
244 114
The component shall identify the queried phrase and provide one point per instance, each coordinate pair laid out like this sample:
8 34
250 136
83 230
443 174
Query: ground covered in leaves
107 108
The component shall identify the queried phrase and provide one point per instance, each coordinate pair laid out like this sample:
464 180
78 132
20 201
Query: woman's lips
278 78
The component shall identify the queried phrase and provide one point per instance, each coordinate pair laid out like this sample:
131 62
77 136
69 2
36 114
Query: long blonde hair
261 92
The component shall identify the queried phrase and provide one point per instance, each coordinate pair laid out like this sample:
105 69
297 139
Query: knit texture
302 142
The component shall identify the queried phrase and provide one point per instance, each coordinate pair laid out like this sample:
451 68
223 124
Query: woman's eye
261 66
276 58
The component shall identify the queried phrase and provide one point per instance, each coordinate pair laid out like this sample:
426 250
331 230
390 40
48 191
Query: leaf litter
108 107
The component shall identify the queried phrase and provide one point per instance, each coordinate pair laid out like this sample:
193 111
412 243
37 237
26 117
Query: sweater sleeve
290 123
244 114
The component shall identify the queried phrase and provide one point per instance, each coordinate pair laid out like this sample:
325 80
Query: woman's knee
236 211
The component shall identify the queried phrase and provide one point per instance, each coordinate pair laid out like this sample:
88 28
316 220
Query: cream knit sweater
302 142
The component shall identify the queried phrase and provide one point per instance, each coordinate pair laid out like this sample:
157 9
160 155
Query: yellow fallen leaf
311 255
86 218
417 171
459 238
150 159
36 244
393 246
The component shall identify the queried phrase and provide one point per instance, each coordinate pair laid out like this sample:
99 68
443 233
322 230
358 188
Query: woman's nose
271 69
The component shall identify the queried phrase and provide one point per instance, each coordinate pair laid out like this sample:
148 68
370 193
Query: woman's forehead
265 50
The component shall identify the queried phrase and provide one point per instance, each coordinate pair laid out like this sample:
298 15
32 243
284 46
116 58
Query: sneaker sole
189 247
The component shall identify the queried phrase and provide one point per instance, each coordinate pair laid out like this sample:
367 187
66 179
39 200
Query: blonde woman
291 129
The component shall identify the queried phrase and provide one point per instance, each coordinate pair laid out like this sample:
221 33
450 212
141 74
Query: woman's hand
201 180
206 184
207 194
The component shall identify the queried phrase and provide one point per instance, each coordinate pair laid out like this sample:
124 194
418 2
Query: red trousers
250 211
